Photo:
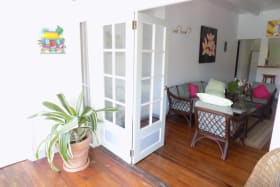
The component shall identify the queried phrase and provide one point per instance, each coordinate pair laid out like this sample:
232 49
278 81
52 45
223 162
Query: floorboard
105 170
177 159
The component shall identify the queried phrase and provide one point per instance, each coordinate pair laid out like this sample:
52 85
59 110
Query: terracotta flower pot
80 160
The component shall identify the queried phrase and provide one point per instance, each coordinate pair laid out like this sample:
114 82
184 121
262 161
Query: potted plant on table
71 132
237 91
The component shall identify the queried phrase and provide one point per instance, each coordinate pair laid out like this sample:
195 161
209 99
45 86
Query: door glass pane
156 111
145 94
159 38
146 64
158 64
144 116
157 88
147 36
120 35
108 63
108 87
108 115
120 64
120 116
120 90
107 37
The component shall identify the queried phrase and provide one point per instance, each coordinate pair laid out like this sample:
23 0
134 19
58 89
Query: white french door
118 76
149 101
134 78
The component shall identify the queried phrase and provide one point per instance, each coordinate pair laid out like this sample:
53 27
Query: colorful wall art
52 42
273 28
208 43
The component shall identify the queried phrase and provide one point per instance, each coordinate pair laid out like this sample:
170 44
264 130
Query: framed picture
273 28
52 41
207 45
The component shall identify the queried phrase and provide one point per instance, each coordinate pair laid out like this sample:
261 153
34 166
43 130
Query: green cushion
173 90
183 90
215 87
262 101
200 85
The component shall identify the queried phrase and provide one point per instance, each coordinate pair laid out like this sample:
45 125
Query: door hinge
134 24
131 153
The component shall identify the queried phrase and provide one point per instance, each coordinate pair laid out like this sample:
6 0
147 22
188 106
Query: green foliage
70 125
232 86
59 30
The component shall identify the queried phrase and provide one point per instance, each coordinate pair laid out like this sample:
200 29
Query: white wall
252 26
28 77
184 50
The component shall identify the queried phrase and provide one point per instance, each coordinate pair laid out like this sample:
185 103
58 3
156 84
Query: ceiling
249 6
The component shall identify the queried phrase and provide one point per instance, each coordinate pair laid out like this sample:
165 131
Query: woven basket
267 171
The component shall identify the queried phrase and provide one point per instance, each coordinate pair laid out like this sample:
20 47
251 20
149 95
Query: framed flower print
207 45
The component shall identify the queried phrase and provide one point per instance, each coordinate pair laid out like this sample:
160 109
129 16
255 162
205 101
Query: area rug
259 135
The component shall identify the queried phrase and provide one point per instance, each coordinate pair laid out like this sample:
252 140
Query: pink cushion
193 89
261 92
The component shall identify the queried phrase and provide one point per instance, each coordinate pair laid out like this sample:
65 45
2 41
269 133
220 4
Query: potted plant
71 132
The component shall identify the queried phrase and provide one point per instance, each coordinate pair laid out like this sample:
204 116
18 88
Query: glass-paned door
149 118
117 74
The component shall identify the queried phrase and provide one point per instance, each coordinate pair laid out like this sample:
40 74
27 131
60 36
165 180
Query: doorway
247 59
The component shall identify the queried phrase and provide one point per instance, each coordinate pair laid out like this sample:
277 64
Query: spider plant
70 125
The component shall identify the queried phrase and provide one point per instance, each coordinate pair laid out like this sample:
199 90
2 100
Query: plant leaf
108 109
79 103
65 104
64 144
87 111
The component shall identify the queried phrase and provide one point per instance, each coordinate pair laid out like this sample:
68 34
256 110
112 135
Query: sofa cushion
270 87
261 92
224 109
173 90
214 100
215 87
193 89
183 90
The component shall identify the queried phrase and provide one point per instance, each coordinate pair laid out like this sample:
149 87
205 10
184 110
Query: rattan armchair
267 171
219 127
180 106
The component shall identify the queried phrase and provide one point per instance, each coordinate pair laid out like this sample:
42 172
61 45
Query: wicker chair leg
224 153
191 120
194 138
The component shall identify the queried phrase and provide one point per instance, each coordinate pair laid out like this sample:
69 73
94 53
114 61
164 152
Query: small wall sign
52 42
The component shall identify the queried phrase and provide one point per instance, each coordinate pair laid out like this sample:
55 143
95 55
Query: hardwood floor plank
203 160
105 170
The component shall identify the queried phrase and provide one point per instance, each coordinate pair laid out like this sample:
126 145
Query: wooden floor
175 164
104 170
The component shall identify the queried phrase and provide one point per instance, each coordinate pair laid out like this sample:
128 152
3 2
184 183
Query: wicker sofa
181 103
